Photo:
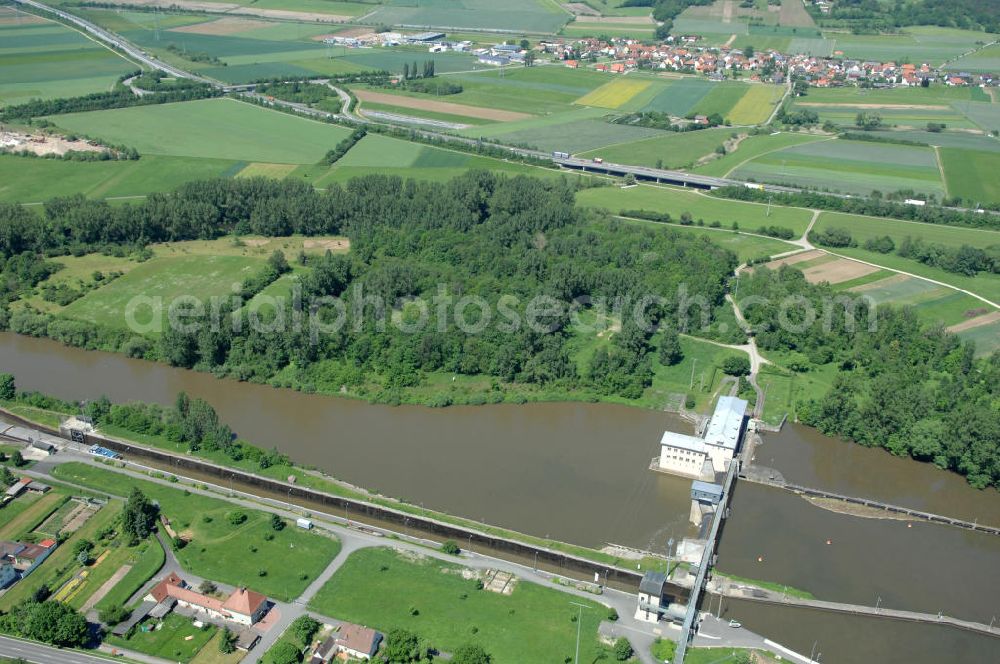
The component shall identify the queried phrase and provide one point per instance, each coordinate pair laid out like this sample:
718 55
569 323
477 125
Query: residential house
349 640
243 606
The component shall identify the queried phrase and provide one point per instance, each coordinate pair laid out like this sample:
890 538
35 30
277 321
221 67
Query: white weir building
687 455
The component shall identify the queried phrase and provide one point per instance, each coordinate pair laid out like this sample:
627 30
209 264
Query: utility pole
878 601
579 619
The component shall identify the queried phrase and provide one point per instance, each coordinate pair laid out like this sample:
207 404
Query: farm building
243 606
23 558
18 487
686 455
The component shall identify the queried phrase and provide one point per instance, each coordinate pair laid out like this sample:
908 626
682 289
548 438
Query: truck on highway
560 155
598 160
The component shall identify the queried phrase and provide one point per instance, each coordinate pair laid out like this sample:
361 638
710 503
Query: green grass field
984 60
755 146
203 277
570 132
212 128
146 559
972 174
864 228
232 554
670 149
27 180
680 97
174 638
848 166
756 105
744 246
749 216
917 43
43 59
536 16
533 624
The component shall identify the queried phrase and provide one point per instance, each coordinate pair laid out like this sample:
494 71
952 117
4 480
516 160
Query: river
579 473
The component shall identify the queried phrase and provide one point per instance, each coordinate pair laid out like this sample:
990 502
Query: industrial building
710 453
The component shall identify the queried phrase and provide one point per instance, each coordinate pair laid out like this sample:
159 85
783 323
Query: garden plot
69 518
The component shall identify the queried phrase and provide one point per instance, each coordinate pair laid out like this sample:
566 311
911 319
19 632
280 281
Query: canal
579 473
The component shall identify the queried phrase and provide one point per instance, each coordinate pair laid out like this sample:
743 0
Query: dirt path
105 588
440 106
940 167
728 9
978 321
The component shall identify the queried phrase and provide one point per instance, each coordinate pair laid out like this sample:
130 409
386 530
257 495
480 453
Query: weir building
710 453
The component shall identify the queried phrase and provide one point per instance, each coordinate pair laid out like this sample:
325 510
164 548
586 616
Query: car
734 624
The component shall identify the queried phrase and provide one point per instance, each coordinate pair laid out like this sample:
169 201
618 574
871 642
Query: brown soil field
580 9
223 26
978 321
42 144
794 14
332 245
440 106
837 271
348 32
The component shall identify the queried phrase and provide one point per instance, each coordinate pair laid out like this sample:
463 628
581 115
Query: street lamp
579 619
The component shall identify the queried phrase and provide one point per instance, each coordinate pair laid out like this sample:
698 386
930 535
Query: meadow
219 550
849 167
579 132
435 600
177 640
864 228
167 278
746 247
749 216
211 128
669 150
986 60
44 59
972 174
29 180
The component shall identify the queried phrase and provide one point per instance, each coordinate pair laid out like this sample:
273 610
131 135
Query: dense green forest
878 15
504 240
911 389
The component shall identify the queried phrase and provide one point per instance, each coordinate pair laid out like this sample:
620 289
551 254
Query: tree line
965 259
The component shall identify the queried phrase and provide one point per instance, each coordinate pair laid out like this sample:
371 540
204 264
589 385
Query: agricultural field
971 174
679 97
755 146
533 623
535 90
985 60
929 44
42 59
220 550
906 108
577 132
756 105
531 16
393 156
428 103
211 128
864 228
669 150
614 94
849 167
748 216
28 180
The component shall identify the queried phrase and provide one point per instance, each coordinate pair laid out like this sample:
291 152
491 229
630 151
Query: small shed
137 616
706 492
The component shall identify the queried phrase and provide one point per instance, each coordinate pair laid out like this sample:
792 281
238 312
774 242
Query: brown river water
579 473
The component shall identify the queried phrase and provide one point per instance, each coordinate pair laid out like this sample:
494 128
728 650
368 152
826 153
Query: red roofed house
349 642
244 606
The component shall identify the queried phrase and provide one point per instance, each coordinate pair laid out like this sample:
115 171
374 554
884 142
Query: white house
651 597
686 455
244 606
